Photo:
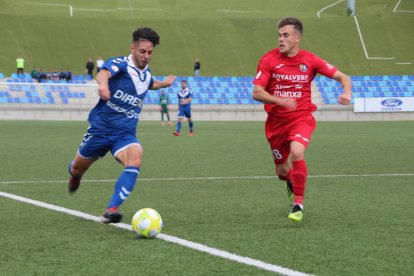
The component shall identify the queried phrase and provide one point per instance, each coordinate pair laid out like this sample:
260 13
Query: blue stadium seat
34 100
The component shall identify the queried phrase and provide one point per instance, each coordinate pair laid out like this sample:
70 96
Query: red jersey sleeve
323 67
263 72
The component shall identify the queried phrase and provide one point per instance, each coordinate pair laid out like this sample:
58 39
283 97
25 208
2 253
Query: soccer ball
147 223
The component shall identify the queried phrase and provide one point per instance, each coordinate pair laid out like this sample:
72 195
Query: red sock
287 177
299 174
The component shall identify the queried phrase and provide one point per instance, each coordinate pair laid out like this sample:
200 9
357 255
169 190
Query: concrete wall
199 113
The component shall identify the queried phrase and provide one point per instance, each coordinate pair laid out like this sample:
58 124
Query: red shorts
281 133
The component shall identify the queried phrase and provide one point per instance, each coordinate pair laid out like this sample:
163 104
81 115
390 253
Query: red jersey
290 77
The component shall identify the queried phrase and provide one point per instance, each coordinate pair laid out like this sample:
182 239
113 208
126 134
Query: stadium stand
367 86
215 90
12 92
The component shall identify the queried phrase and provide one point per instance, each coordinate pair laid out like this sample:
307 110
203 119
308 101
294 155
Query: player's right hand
288 103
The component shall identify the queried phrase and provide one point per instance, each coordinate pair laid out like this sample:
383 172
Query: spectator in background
99 63
35 74
89 68
62 74
20 65
49 74
68 74
197 67
55 75
41 76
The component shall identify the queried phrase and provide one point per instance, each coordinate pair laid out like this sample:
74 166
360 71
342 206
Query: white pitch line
396 7
168 238
47 4
359 32
403 63
327 7
211 178
240 11
363 43
94 10
139 9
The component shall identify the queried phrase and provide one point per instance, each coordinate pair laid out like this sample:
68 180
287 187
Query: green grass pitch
357 219
228 37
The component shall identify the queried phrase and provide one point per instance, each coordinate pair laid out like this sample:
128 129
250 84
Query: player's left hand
344 99
169 80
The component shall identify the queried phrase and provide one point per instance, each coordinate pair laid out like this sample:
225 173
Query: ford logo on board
391 102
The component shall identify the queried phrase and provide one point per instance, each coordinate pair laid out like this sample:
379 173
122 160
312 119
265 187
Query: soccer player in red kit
283 84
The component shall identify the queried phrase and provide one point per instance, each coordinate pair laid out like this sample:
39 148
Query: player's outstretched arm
346 83
162 84
103 87
261 95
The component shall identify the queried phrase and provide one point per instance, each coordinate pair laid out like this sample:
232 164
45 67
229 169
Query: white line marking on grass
140 9
47 4
396 7
363 44
94 10
327 7
210 178
359 32
239 11
403 63
168 238
71 8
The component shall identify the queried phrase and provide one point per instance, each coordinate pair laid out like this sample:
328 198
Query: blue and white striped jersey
128 86
182 95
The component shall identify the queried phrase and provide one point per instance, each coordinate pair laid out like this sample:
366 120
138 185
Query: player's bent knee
282 170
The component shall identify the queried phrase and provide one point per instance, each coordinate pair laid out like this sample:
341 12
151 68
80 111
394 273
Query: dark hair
297 24
184 81
146 34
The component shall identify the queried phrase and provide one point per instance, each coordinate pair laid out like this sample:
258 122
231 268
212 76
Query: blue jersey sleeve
115 65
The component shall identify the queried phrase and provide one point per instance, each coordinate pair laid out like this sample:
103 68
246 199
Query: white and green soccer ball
147 223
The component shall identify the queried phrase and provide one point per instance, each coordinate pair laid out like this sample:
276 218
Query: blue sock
191 126
178 126
124 186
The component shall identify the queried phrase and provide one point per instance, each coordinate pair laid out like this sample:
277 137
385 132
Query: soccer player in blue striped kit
123 83
185 96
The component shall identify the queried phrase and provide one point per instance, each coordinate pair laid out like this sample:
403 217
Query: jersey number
276 154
